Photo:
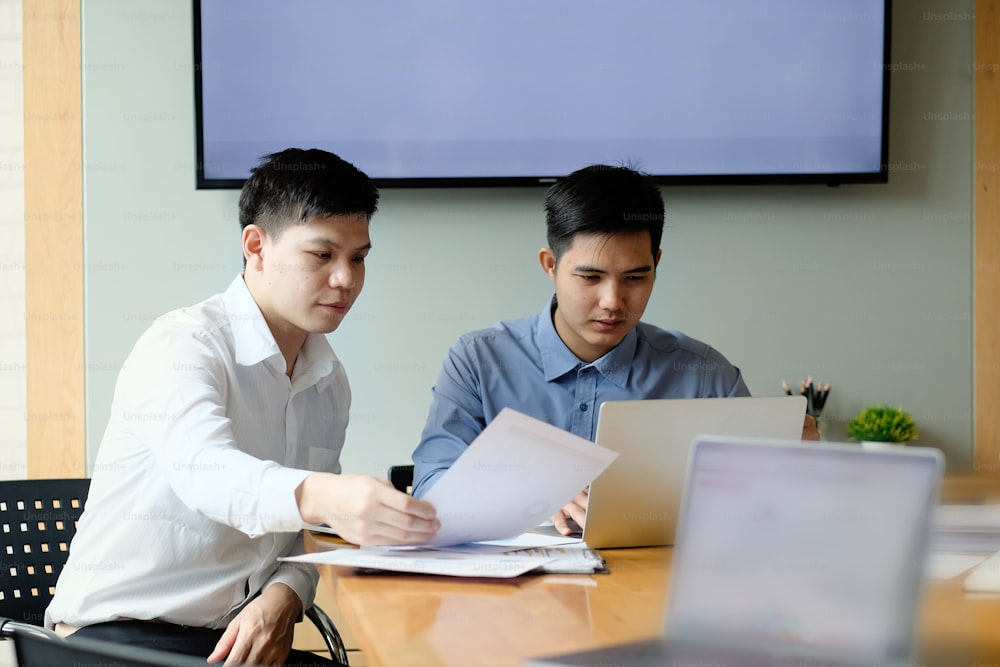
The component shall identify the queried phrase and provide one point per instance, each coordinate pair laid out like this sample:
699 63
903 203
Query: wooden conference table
401 620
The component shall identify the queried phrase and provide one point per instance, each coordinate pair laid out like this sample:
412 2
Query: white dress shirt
192 499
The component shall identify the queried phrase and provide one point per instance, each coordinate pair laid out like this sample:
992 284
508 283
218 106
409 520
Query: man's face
311 275
603 283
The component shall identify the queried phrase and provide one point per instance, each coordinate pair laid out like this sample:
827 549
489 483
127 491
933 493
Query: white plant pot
873 445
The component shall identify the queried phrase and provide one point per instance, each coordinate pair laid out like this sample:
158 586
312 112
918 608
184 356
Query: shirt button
583 407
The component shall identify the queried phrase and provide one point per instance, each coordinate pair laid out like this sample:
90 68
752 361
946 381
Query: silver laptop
792 553
635 502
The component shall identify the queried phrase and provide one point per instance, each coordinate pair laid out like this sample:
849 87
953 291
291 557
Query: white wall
13 403
868 287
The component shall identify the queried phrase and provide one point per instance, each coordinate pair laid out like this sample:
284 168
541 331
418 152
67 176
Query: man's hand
810 429
576 510
261 634
365 510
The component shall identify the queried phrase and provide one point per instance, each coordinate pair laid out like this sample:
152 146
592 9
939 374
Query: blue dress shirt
524 365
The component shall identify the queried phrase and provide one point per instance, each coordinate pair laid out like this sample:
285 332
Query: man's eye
588 278
635 278
322 255
360 259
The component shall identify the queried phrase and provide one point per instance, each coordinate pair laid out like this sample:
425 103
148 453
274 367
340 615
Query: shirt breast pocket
324 459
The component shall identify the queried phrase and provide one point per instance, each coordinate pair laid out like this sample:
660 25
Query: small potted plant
882 424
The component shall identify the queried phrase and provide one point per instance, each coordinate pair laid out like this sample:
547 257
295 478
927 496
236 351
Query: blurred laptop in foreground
790 553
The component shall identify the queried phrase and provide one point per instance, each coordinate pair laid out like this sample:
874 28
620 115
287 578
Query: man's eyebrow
322 240
583 268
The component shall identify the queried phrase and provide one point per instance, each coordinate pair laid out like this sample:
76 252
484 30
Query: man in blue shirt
588 344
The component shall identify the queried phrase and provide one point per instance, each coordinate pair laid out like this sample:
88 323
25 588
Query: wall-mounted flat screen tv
514 92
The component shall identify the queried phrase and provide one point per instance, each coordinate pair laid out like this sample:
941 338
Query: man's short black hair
603 199
295 184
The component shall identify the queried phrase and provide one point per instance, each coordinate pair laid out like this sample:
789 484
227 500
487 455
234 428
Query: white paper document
949 566
418 561
478 559
513 476
522 542
985 577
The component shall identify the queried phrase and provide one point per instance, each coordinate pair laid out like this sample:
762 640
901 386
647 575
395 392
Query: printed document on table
471 560
522 542
416 561
513 476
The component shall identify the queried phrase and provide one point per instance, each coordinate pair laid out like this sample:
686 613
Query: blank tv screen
512 92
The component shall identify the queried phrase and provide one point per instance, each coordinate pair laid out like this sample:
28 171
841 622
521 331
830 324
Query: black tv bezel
829 179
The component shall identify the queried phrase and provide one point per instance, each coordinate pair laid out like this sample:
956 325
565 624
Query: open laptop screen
636 501
808 546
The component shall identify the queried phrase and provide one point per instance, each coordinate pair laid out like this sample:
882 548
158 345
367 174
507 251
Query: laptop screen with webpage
802 545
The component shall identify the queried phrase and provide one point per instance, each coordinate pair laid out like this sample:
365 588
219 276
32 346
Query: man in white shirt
224 440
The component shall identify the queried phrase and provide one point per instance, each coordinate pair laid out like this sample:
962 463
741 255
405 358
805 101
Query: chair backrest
401 477
38 650
37 522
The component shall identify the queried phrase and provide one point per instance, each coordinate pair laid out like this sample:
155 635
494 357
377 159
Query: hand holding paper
515 475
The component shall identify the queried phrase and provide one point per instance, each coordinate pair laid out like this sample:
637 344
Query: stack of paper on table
985 577
962 537
492 559
966 528
516 474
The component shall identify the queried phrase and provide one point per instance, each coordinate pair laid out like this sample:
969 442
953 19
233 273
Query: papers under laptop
635 503
792 553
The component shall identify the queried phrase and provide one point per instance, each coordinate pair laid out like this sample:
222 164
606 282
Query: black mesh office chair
37 522
38 647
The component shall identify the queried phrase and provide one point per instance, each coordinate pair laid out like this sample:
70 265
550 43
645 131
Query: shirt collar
617 363
557 359
316 362
254 343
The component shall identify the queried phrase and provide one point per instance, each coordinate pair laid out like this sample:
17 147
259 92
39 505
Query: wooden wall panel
53 190
987 237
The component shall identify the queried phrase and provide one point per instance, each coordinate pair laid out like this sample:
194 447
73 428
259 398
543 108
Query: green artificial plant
882 423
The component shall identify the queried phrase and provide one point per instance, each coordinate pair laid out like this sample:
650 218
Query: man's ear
253 246
547 259
656 260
